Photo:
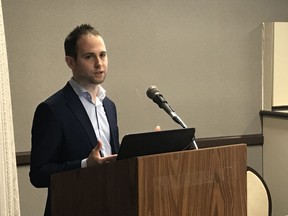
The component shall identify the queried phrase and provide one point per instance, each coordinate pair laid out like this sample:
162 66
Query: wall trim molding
23 158
279 113
250 140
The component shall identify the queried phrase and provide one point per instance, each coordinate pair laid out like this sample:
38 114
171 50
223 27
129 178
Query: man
77 126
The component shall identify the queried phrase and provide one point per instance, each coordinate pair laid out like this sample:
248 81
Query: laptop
134 145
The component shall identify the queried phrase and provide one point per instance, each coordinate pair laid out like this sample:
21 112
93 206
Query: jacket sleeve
46 147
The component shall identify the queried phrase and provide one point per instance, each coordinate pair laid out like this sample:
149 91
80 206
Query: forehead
90 43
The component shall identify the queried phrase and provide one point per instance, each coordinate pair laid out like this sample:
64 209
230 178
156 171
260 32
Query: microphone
154 94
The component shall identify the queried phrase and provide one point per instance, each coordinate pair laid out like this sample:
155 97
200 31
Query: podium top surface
140 144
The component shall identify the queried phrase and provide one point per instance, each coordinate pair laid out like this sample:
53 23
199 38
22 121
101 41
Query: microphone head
152 91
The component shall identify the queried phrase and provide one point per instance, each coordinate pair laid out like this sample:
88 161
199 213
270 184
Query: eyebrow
88 53
92 53
104 51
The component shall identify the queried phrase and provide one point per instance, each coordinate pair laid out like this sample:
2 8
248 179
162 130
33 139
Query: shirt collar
80 91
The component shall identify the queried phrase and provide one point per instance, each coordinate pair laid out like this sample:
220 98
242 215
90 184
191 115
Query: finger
97 149
157 128
110 158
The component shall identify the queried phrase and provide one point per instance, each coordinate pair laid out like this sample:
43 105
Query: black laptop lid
134 145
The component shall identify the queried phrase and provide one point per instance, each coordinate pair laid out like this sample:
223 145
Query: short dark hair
70 43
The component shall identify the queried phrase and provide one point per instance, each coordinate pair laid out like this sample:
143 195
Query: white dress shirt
97 116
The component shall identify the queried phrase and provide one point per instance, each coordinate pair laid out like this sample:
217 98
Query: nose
97 62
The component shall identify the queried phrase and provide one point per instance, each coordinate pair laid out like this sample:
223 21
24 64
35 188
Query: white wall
280 72
275 64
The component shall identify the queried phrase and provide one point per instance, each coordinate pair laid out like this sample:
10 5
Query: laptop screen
134 145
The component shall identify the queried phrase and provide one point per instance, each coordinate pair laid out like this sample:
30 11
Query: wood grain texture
210 181
203 182
108 189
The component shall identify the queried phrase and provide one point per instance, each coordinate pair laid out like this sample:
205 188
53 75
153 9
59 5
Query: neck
91 88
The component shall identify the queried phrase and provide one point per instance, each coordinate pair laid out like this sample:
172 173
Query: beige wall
205 57
32 200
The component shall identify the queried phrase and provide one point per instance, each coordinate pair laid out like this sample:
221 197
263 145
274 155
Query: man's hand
157 128
95 158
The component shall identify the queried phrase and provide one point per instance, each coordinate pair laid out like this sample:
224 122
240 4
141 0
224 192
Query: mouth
98 72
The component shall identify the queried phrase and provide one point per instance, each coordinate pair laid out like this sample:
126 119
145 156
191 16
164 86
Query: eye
90 56
103 54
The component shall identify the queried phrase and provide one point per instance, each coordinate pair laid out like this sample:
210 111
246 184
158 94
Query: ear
70 61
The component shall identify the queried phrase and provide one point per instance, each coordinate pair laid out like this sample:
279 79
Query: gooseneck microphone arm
154 94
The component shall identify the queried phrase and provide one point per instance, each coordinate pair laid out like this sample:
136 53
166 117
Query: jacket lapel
112 120
74 103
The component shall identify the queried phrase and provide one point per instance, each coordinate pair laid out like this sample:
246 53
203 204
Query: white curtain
9 194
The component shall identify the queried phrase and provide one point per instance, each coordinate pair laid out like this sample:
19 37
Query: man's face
91 64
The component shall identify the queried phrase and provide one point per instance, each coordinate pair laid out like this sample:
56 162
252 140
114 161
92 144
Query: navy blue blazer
62 135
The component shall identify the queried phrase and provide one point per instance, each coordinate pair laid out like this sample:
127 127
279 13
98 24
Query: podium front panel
198 182
204 182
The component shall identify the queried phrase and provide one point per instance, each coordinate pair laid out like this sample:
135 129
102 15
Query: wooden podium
202 182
